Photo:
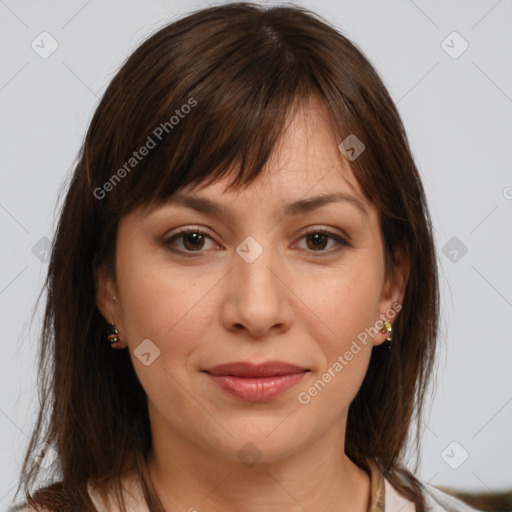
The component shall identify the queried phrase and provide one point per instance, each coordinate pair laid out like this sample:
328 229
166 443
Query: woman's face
263 284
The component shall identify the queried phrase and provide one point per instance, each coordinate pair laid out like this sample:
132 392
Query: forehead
306 165
305 161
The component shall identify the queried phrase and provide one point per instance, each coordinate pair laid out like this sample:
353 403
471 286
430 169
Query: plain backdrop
448 67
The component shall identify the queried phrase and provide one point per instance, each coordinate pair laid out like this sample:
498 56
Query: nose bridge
255 267
257 297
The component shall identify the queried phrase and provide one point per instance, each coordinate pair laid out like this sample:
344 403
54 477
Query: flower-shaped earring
389 329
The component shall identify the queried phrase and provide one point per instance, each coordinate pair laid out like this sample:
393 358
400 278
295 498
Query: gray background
456 109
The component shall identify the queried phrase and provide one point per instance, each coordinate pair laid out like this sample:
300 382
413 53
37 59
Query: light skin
295 303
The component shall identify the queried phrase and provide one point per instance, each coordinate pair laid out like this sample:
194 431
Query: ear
393 291
107 299
105 291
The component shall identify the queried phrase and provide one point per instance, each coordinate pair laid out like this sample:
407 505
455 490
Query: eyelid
320 228
342 240
188 229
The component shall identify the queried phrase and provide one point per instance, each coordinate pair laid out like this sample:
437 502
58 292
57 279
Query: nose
257 298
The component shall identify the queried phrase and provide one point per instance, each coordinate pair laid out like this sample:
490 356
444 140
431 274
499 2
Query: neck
319 477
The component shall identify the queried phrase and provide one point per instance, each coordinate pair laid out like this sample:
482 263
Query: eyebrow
298 207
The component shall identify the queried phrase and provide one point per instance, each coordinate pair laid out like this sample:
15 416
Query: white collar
437 501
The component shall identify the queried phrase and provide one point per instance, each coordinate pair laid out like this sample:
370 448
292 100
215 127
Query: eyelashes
195 238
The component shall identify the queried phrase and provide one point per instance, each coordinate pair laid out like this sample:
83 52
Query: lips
246 369
256 382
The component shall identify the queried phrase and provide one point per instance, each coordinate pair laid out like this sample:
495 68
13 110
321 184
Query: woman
242 294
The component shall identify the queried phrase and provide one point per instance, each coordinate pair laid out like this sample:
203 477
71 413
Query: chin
268 440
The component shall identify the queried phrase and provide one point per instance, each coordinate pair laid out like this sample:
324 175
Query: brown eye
317 241
192 241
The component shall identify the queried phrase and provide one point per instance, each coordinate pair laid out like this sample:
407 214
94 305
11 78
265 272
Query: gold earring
389 329
111 334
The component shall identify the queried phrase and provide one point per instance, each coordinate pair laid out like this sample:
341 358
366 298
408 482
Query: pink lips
256 382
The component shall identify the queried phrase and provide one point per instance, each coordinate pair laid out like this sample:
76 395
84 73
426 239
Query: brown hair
240 69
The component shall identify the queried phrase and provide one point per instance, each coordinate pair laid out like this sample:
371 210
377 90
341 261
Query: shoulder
132 495
53 498
436 501
102 501
439 500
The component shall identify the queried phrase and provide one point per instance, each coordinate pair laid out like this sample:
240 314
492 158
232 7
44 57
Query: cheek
161 304
160 299
347 302
344 346
170 307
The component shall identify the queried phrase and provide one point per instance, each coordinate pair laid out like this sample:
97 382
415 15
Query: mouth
256 382
248 369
